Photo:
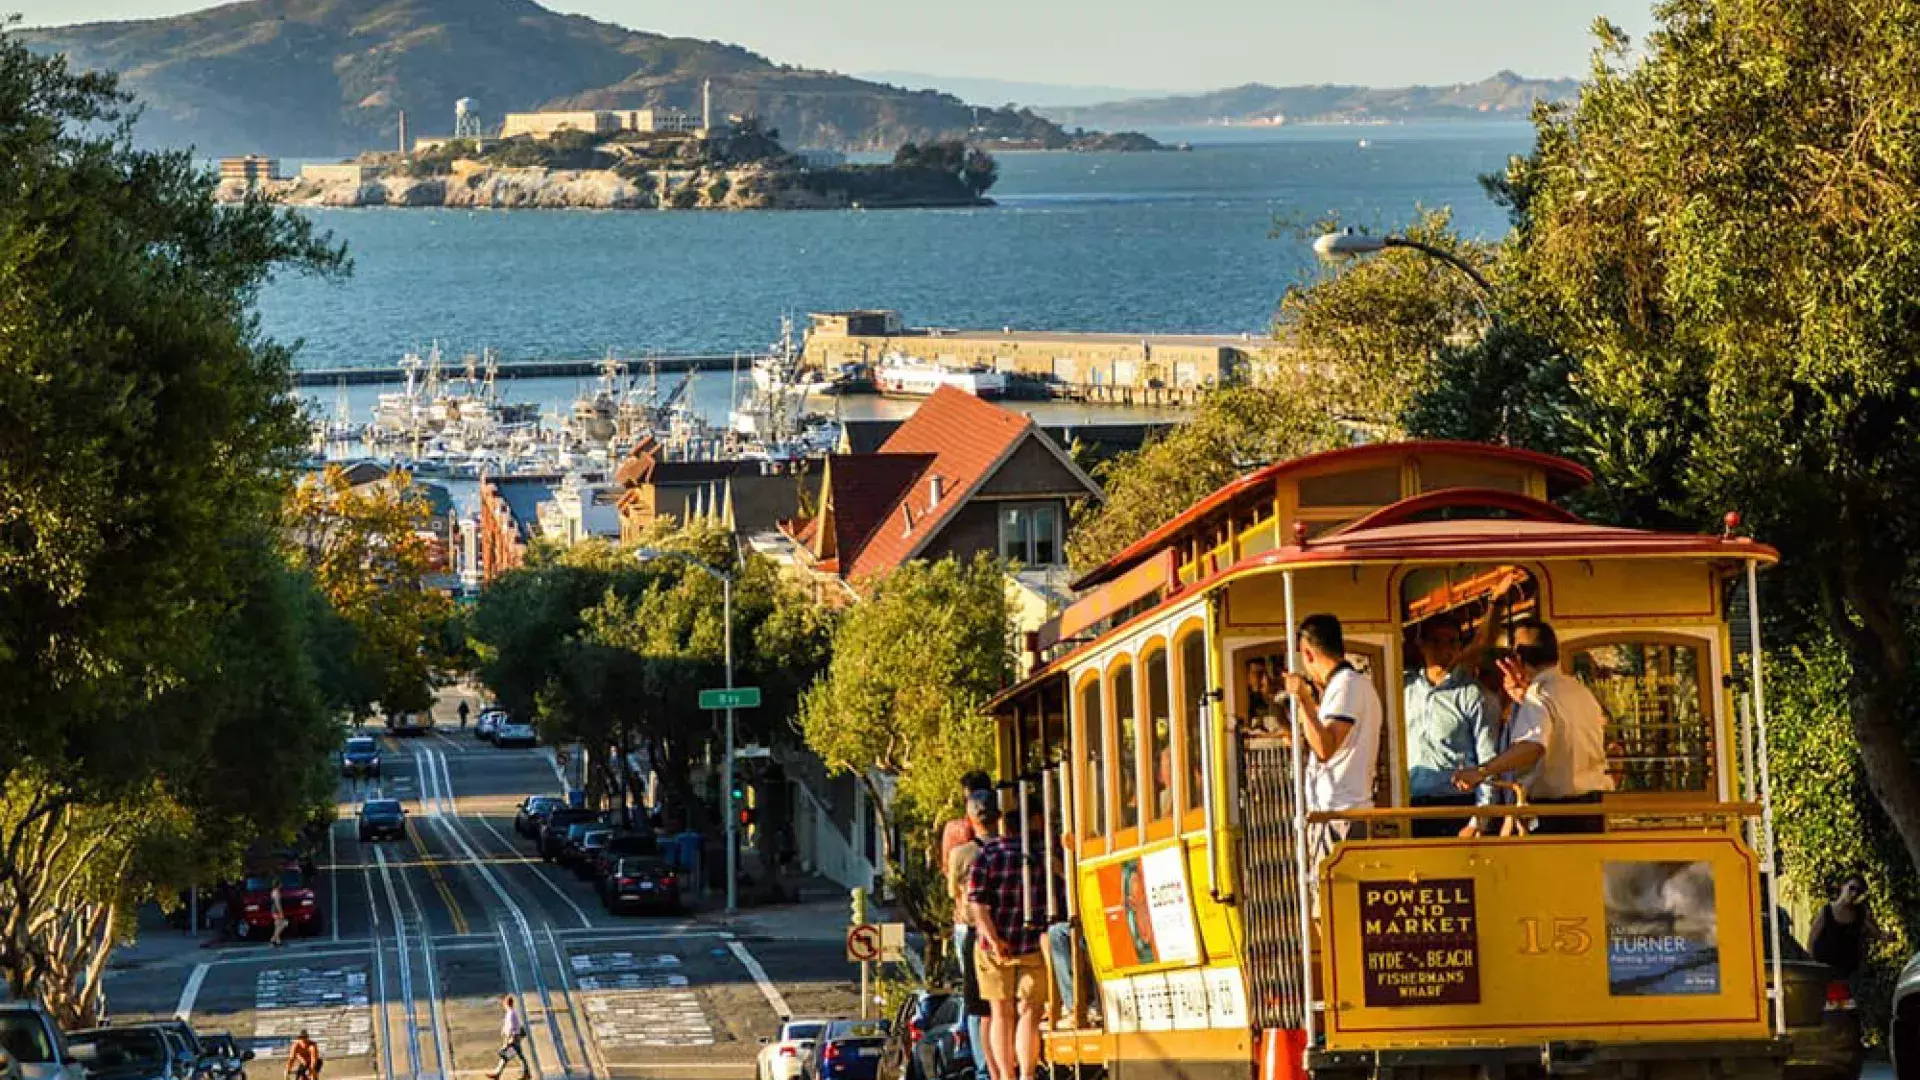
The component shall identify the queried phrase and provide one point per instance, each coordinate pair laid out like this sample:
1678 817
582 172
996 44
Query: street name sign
863 943
753 752
893 941
740 697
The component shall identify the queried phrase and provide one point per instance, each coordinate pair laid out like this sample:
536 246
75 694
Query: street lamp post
728 815
1347 243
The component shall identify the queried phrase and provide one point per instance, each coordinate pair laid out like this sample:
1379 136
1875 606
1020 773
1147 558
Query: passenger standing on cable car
1558 733
1449 726
1341 730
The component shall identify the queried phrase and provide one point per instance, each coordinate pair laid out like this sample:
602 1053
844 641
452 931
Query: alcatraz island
635 159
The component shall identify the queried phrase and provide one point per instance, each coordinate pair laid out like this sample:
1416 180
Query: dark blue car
848 1050
361 757
382 817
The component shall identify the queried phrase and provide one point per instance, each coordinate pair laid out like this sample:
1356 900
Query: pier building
1124 368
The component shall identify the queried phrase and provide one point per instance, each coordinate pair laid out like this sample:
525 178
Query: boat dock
524 369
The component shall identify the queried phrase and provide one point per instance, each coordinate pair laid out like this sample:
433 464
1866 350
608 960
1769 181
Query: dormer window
1030 534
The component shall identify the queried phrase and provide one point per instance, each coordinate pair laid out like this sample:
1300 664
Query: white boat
779 370
910 376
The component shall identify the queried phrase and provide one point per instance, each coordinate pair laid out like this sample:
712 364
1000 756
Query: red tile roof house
960 477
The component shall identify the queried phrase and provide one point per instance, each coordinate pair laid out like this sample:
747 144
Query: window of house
1156 736
1659 734
1193 683
1030 534
1126 723
1094 732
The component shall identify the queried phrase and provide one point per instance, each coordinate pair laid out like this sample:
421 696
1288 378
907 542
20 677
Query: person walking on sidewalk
279 915
303 1058
513 1032
463 716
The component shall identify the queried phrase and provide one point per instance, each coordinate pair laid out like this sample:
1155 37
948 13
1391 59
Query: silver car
33 1042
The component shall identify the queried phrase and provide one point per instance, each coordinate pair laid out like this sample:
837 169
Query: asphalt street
421 936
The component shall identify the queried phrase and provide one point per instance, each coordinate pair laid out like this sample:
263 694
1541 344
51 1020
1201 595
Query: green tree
1724 235
371 550
144 427
912 666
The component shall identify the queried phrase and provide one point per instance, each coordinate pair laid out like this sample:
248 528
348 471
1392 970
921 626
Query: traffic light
746 816
739 792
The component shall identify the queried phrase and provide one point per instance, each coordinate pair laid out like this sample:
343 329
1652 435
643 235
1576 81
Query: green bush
1826 820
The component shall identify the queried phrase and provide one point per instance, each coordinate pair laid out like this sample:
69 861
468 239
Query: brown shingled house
960 477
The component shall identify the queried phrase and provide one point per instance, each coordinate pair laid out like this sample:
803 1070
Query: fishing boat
910 376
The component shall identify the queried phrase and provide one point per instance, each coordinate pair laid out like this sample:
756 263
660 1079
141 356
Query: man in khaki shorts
1004 889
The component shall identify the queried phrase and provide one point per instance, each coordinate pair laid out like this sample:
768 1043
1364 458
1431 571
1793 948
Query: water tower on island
466 120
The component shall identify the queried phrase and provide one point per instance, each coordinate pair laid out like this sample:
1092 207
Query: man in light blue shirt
1449 726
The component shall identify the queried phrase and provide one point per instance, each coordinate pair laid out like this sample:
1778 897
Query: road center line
767 989
444 782
184 1010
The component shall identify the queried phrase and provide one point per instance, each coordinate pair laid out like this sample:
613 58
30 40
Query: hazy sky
1176 44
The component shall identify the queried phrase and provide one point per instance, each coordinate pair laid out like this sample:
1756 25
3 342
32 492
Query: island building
346 172
545 125
1097 366
251 170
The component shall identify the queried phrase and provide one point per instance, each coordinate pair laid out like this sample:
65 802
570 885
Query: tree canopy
161 706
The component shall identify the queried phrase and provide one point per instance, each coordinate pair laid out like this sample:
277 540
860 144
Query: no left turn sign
863 943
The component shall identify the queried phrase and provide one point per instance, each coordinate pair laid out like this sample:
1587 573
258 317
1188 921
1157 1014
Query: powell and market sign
1419 943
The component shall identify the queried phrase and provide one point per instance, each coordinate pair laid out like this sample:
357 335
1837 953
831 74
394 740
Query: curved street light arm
1444 256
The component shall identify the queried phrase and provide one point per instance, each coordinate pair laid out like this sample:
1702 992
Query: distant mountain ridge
1505 95
323 78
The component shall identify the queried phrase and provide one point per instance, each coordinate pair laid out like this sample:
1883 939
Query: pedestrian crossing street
329 1004
639 1000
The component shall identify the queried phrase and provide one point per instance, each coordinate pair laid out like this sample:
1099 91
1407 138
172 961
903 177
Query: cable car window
1126 724
1193 683
1438 473
1156 736
1093 727
1361 487
1659 734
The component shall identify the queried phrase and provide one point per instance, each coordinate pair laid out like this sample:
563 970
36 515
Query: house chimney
936 486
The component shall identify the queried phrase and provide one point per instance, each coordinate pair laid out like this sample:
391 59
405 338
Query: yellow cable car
1190 941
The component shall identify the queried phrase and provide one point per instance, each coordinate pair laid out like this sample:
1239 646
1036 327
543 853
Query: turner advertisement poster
1148 914
1662 932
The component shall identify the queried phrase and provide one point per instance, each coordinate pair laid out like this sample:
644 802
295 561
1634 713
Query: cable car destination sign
1419 943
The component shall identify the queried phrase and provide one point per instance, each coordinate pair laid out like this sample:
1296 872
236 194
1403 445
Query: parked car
570 846
533 813
553 831
621 845
30 1038
908 1054
847 1050
189 1062
489 721
296 903
584 855
511 732
360 757
226 1059
782 1059
382 818
129 1053
642 882
1903 1034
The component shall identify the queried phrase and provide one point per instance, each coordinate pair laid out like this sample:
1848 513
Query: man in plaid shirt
1008 898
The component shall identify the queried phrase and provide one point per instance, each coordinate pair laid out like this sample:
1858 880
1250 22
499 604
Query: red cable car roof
1562 475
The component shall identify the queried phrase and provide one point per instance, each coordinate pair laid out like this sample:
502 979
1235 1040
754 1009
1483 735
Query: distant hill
987 91
1505 95
322 78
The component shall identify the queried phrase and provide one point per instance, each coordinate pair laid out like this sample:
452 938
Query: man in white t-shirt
1557 739
1341 731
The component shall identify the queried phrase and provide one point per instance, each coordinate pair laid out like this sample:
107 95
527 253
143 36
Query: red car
297 904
